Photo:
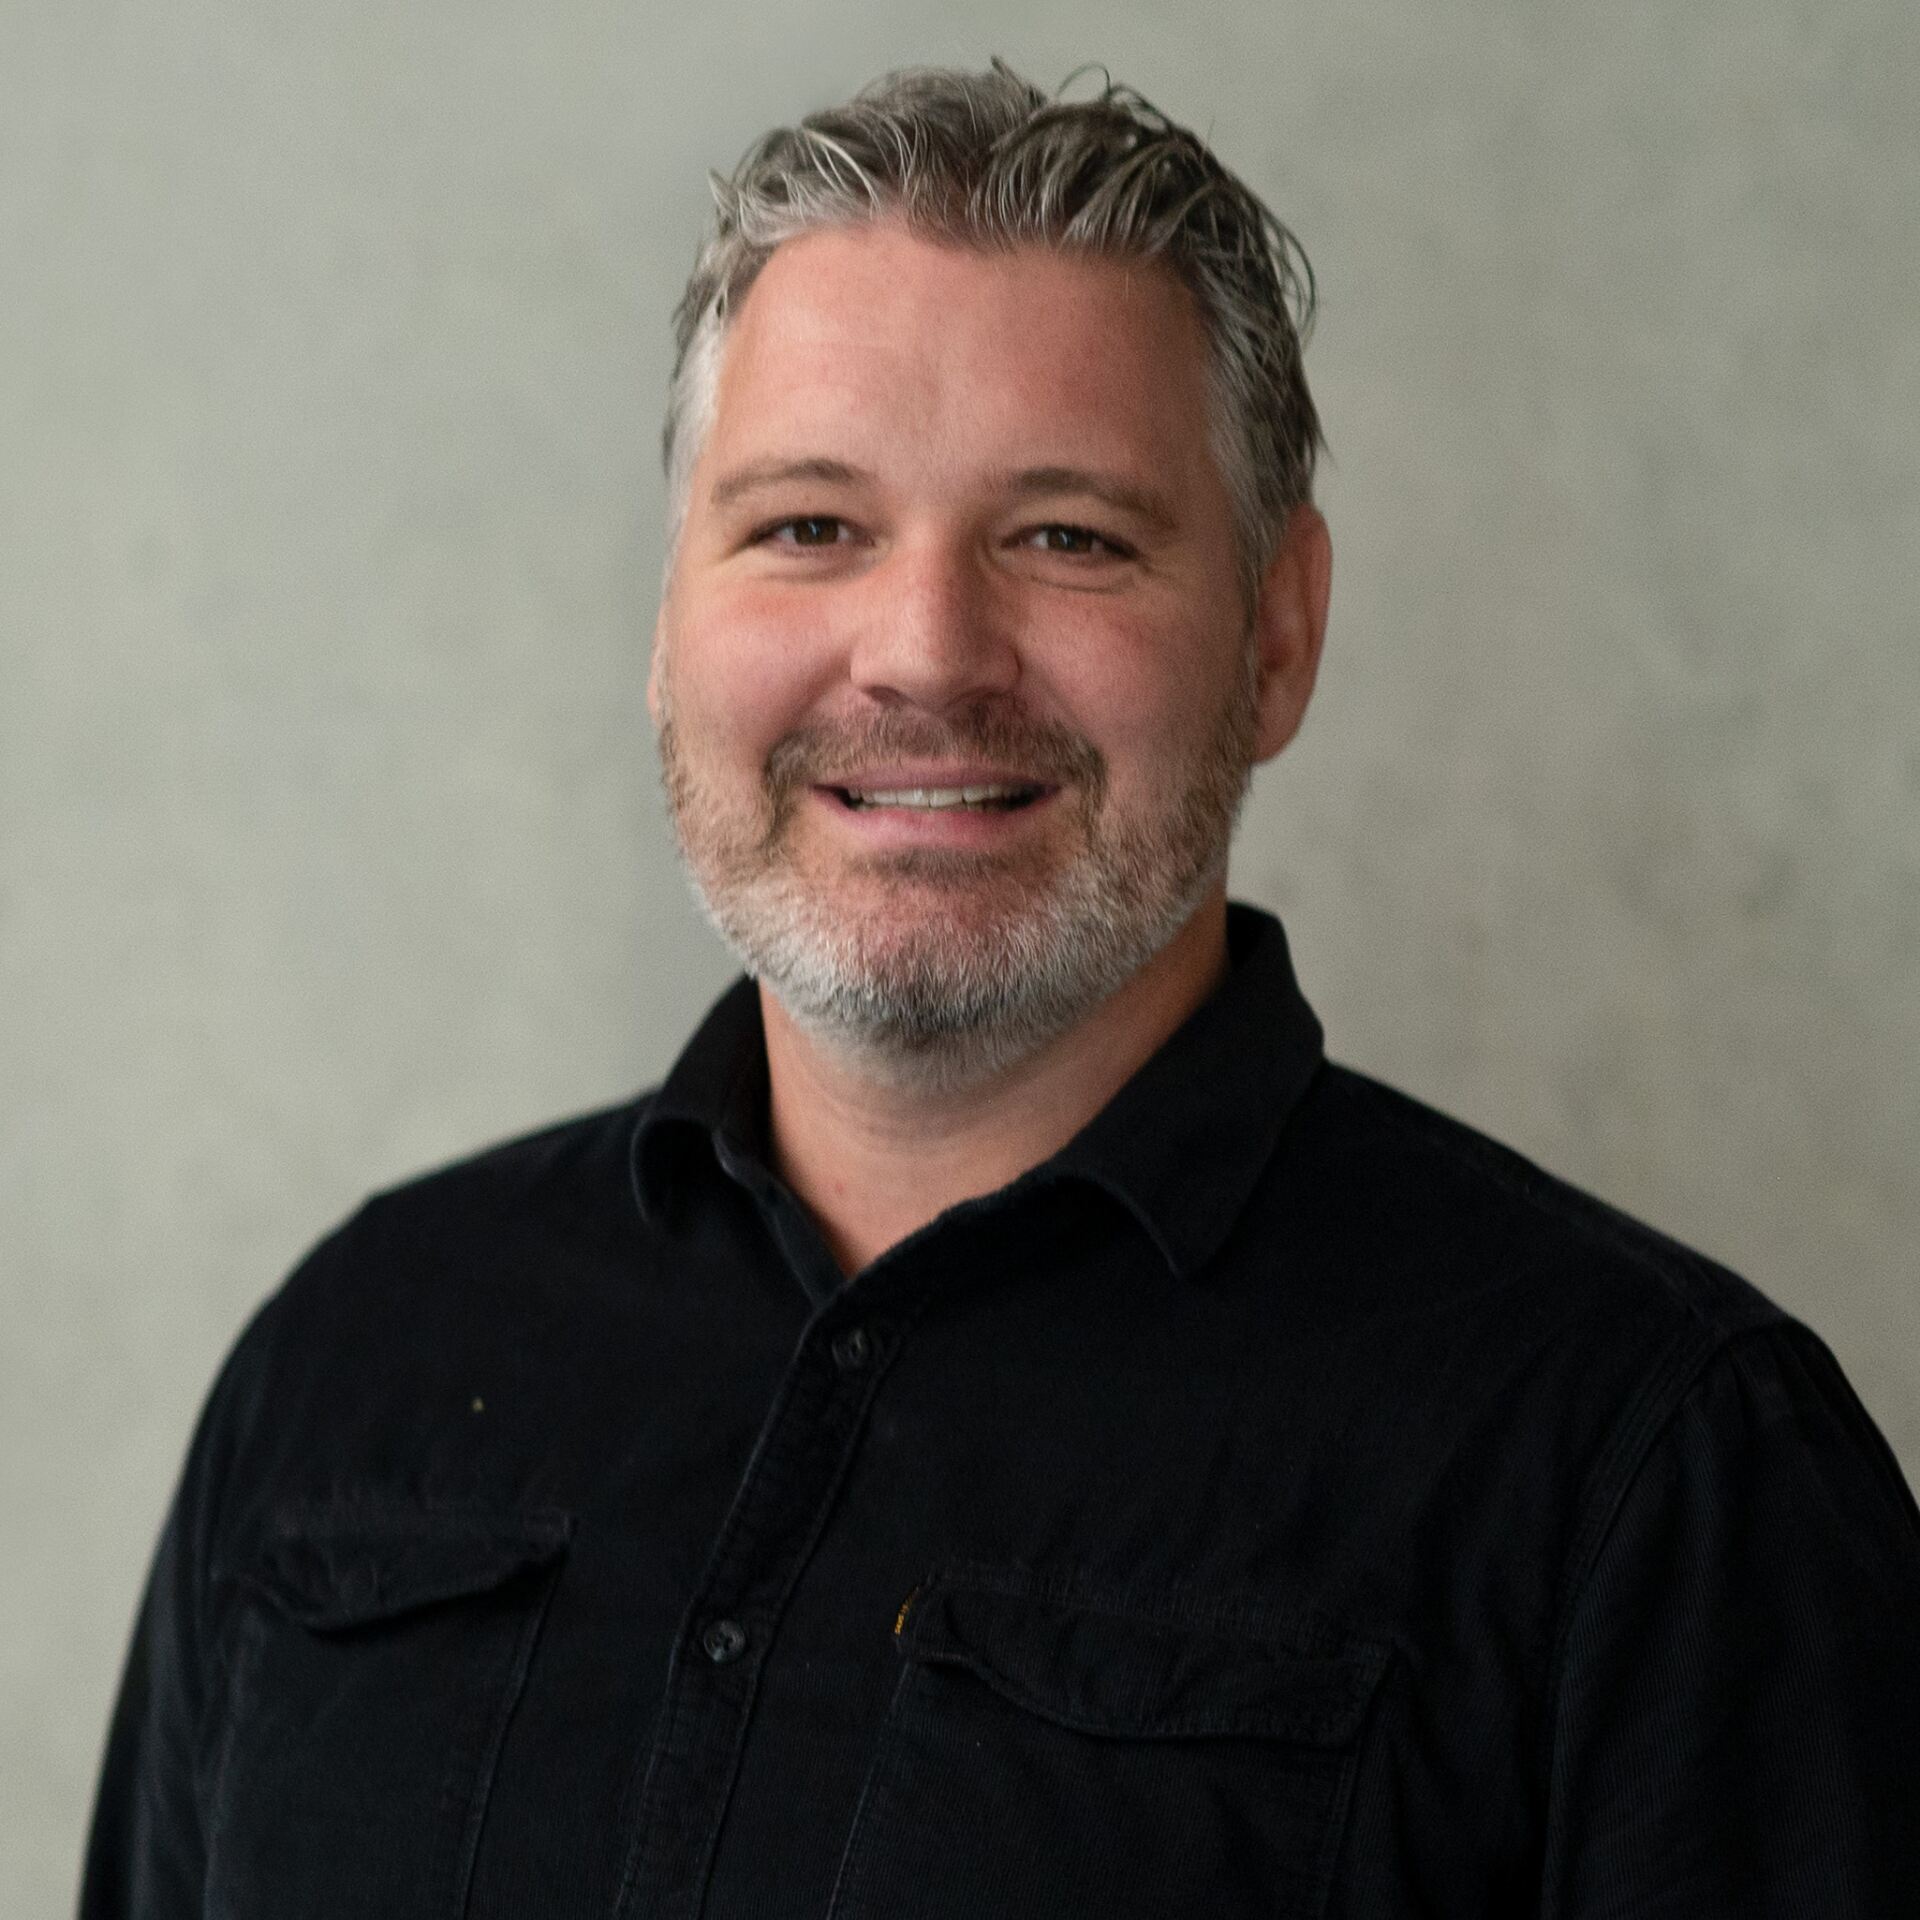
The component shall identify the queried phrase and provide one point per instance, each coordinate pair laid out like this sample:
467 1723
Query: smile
1002 798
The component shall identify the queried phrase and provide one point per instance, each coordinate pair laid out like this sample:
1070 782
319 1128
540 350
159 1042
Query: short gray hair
986 160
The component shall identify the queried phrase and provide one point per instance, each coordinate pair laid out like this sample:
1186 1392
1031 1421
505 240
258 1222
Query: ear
1290 623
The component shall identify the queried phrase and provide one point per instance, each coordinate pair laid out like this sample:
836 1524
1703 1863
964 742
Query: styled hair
988 161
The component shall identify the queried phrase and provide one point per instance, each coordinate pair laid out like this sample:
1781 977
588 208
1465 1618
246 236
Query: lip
945 773
955 829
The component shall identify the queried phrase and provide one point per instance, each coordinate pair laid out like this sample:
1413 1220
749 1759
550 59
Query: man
1008 1427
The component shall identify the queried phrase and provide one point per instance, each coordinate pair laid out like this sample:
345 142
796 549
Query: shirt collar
1179 1146
712 1105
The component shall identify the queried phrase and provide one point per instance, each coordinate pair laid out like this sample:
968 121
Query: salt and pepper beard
999 957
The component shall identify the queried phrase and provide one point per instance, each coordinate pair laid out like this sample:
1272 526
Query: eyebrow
772 473
1142 502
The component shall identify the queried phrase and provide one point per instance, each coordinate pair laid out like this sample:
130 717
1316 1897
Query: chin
937 990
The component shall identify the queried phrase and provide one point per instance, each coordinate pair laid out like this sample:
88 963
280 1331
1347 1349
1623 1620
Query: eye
1077 543
804 530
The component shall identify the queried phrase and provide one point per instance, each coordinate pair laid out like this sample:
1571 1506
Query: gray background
332 342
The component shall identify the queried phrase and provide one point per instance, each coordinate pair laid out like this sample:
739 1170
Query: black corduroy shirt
1282 1502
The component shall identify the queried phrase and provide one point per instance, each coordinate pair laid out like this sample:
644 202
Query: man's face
956 688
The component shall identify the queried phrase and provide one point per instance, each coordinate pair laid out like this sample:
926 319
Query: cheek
1143 696
746 669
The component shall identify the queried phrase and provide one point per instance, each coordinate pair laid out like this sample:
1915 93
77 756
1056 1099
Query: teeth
934 797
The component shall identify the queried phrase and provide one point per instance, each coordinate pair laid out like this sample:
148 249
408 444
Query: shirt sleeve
146 1851
1736 1728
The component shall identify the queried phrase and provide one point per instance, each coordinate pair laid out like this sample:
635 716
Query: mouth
999 796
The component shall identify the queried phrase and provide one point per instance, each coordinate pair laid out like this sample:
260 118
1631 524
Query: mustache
822 754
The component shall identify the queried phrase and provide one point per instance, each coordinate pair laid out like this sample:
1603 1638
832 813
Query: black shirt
1281 1502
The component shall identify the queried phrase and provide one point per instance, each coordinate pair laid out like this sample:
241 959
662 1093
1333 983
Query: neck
874 1161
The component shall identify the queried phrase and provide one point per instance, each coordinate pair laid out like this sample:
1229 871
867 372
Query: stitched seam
1299 1631
1315 1729
1640 1427
249 1631
513 1685
851 1873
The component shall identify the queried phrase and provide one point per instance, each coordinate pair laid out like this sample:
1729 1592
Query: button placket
805 1447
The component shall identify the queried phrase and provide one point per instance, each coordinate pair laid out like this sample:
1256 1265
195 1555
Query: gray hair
986 160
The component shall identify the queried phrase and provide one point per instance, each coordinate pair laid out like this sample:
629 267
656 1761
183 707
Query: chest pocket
377 1653
1050 1753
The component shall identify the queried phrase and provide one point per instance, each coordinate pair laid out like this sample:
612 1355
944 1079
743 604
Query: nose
933 631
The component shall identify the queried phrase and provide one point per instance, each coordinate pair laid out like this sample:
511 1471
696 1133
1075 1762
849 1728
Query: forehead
869 342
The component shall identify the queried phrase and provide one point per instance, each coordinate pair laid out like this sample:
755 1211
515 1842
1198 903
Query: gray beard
937 1013
949 1003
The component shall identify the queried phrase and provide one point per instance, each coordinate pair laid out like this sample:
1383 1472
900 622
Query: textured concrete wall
331 348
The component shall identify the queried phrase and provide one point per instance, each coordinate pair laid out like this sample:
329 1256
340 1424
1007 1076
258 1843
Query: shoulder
1429 1196
1604 1364
560 1163
569 1179
1484 1290
451 1260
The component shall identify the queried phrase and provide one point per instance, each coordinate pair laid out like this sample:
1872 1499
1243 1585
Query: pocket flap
1107 1667
348 1565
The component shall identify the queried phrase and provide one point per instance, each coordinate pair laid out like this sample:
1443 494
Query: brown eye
1069 539
811 530
1080 543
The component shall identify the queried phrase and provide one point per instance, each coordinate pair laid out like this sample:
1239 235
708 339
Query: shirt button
724 1640
852 1349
